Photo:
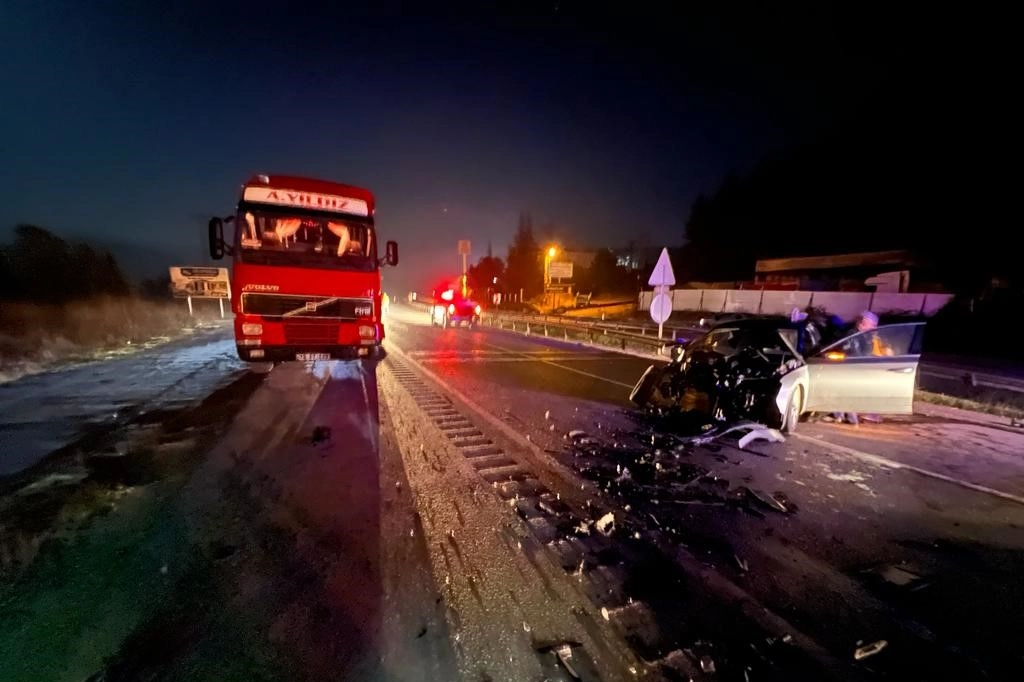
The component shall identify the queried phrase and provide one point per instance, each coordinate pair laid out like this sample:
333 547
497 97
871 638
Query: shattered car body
775 370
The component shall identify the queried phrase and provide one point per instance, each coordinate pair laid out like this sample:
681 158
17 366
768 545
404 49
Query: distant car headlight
477 309
252 329
451 308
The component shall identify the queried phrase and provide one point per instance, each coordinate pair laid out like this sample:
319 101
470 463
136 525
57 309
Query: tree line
37 266
867 186
523 269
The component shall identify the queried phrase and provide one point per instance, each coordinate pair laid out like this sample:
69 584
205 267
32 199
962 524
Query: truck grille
311 333
297 306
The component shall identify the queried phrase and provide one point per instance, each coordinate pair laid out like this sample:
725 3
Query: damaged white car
774 371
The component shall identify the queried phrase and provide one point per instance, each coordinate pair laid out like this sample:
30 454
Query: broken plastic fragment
564 653
707 664
742 563
547 414
605 614
606 524
769 501
869 649
771 435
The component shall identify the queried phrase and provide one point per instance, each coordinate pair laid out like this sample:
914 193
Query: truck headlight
252 328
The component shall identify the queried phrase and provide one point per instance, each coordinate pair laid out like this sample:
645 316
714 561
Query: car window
882 342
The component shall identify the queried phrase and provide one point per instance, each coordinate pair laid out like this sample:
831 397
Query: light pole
549 255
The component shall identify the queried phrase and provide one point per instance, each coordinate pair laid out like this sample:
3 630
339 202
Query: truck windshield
275 238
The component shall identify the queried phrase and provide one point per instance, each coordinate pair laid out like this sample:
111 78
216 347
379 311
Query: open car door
873 371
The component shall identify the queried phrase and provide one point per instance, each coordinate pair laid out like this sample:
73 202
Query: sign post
662 278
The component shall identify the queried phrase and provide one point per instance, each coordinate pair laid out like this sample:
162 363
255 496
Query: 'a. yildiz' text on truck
305 279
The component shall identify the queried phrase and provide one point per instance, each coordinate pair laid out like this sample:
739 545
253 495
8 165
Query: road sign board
662 275
661 308
560 270
464 247
200 282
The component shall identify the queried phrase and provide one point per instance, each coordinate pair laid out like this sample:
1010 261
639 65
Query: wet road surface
908 531
484 505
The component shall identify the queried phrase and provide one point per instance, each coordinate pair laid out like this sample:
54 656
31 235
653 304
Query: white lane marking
551 355
567 369
881 461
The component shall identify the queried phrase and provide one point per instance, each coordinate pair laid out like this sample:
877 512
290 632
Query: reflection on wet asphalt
813 527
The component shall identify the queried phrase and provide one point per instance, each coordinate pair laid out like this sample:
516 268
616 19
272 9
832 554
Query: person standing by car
859 346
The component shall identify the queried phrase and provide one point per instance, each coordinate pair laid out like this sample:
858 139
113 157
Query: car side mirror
391 253
216 237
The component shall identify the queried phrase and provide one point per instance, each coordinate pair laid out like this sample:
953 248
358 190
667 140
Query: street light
549 255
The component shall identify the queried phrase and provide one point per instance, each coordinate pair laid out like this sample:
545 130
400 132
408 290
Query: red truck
305 281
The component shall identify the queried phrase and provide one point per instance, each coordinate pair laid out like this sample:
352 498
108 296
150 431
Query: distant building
638 257
898 271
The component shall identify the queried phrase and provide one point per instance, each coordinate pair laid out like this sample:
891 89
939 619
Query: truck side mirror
216 236
391 253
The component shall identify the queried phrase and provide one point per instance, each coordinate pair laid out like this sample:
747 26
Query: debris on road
773 501
869 649
770 435
564 654
606 524
321 434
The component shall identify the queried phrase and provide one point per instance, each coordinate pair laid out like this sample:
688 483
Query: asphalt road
908 531
482 505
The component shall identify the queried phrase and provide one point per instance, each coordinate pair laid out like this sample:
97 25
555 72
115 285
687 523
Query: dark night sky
128 123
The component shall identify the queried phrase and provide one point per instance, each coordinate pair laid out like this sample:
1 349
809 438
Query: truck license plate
302 357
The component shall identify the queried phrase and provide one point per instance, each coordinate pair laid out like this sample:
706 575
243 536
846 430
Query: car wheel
793 410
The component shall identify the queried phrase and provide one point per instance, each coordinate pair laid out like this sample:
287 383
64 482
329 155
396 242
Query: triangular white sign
662 275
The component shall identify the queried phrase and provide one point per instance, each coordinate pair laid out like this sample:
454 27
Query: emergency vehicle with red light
451 308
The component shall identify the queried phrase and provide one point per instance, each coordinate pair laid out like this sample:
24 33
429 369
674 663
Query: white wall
846 304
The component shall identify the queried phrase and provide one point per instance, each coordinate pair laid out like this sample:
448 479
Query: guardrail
630 338
648 331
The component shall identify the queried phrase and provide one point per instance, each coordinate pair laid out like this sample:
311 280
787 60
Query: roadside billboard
200 282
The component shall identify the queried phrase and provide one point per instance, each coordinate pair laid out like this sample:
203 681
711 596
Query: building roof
836 261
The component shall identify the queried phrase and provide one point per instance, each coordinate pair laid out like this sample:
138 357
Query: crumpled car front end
735 372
